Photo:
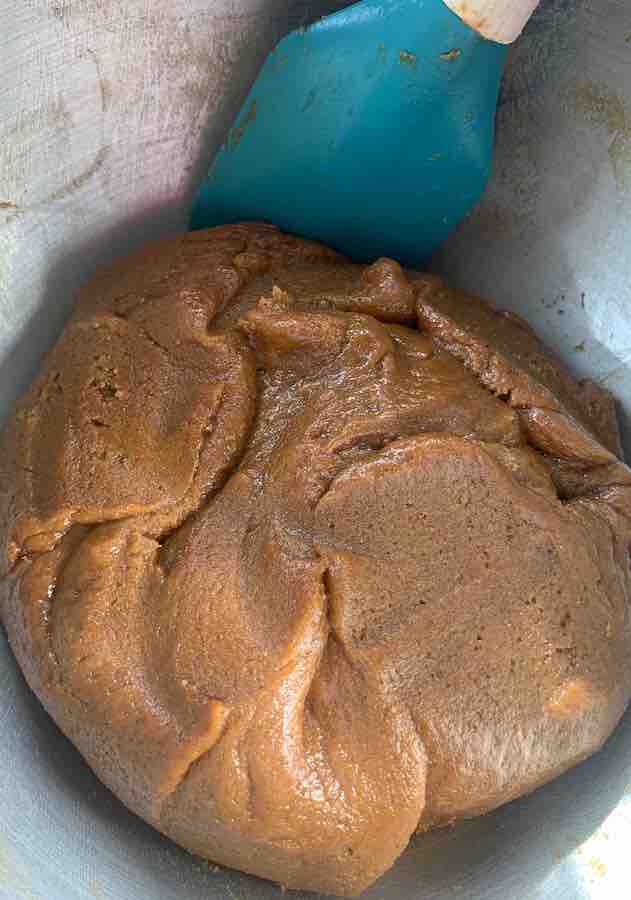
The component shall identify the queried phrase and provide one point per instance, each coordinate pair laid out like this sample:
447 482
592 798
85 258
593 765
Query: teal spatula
371 130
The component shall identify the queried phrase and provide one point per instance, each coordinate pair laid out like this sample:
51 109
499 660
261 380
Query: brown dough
299 576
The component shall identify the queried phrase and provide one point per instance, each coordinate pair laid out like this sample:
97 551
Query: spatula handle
497 20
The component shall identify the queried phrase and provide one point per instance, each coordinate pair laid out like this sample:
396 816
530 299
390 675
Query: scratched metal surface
109 110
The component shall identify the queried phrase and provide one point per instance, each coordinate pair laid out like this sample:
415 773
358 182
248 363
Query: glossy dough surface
304 556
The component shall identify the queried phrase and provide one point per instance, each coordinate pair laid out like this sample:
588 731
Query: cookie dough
305 556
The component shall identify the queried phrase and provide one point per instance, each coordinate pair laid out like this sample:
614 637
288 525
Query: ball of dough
305 556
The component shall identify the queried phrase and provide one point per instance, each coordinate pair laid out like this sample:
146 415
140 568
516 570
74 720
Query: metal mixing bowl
109 111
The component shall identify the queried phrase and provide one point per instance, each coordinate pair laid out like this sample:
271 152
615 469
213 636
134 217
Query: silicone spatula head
372 130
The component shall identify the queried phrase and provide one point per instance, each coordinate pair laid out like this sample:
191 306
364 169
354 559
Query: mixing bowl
109 112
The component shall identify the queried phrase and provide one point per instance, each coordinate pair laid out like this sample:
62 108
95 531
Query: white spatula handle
497 20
